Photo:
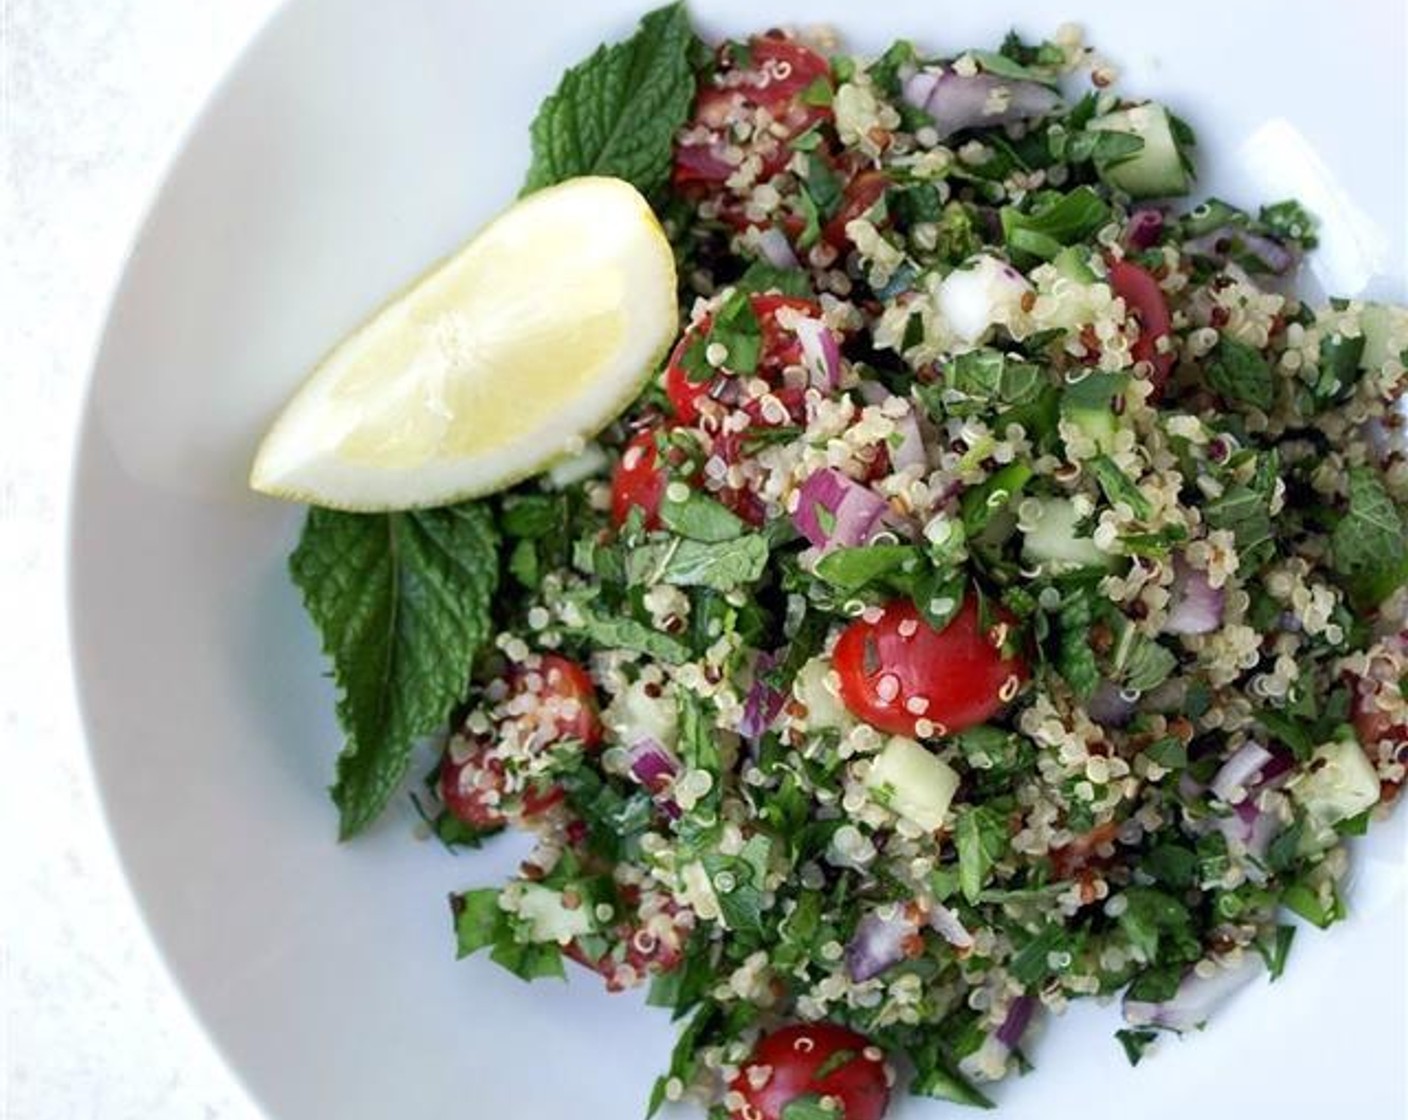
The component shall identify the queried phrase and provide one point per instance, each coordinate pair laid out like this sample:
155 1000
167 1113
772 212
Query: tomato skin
959 671
700 162
475 786
1144 299
561 678
638 480
781 348
860 195
470 788
794 1055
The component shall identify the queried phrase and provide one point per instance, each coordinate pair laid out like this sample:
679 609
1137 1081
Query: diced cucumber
548 919
1157 170
1340 782
1072 262
1385 334
914 782
1089 405
824 707
1053 543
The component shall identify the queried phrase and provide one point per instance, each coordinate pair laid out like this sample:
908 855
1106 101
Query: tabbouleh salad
996 599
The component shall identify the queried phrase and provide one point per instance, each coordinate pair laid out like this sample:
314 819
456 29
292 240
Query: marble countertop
94 98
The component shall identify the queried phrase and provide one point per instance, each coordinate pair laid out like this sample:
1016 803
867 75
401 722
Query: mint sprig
616 113
402 603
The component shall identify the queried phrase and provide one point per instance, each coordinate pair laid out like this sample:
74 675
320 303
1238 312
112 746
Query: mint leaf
402 603
1053 221
722 566
1369 545
982 837
1135 1043
617 112
1241 374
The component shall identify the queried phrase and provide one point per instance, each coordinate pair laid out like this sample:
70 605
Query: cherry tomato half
900 670
474 781
1144 299
778 73
781 348
860 195
638 480
793 1057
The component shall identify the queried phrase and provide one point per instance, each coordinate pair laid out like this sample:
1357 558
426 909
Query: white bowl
356 142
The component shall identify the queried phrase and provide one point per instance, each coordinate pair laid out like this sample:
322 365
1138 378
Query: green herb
1053 221
1306 900
617 112
621 632
1118 487
737 330
807 1108
996 493
1159 926
1075 660
982 837
700 518
1276 953
885 70
1241 374
684 1057
1291 221
1148 665
936 1076
402 603
1368 546
1172 865
721 566
481 924
738 884
762 277
990 378
1170 753
1031 965
1136 1043
851 569
699 749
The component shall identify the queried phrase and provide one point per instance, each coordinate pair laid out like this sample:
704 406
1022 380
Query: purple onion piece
654 767
1195 606
958 101
1019 1017
1239 771
1144 228
776 249
850 511
1109 706
947 925
1196 999
821 353
762 703
909 450
1219 246
879 944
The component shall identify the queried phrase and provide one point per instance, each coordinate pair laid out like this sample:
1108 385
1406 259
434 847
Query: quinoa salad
995 598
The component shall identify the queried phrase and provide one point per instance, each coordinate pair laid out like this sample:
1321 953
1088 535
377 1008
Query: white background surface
96 94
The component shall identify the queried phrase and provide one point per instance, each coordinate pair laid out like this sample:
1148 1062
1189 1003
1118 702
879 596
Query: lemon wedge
499 361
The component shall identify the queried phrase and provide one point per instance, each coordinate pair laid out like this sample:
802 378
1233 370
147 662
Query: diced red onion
947 925
654 767
1237 773
856 510
1218 245
1195 606
821 353
1109 706
880 943
762 703
958 101
1144 228
1019 1017
1196 999
909 450
776 249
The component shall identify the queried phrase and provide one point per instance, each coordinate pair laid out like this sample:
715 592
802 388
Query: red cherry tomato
792 1057
781 348
900 670
860 195
778 73
566 699
472 787
474 781
638 480
1144 299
